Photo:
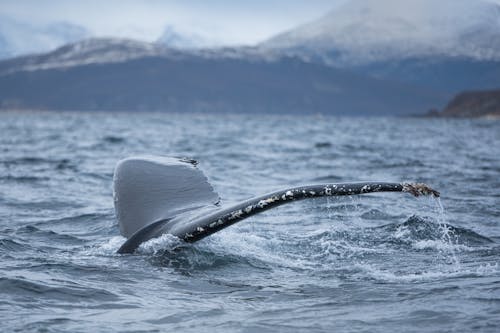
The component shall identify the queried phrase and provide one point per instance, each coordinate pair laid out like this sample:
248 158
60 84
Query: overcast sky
221 21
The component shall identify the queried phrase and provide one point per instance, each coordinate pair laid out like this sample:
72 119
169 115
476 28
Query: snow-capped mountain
85 52
19 38
365 31
94 51
117 74
368 57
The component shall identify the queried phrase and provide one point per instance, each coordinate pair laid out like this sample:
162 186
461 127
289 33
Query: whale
157 195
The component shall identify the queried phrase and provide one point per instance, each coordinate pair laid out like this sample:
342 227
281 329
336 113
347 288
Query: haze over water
378 262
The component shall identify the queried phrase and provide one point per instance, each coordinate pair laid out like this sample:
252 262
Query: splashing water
159 244
448 235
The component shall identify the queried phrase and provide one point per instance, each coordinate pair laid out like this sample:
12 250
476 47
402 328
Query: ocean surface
372 263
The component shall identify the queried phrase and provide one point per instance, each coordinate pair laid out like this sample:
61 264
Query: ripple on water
319 265
9 245
20 288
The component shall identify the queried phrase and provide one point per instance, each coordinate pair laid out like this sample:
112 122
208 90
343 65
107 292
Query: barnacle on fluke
157 195
418 189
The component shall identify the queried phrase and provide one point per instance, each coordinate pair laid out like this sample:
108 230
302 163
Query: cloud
21 38
221 21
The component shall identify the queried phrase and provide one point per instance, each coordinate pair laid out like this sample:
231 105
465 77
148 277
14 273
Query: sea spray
448 235
329 208
106 248
160 244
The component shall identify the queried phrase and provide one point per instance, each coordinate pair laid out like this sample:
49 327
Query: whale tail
147 189
158 195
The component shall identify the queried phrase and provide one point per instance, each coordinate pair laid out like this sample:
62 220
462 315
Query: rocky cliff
474 104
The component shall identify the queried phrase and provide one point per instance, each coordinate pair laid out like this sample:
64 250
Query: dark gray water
374 263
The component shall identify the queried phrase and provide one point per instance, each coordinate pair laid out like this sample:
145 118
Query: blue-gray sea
371 263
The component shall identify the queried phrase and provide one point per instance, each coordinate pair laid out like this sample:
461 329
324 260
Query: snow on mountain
117 50
19 38
364 31
172 38
100 50
85 52
88 76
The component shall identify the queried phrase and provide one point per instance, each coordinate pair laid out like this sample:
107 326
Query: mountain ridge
313 75
364 31
226 81
473 104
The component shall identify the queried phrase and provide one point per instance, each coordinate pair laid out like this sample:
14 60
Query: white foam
164 242
488 269
250 245
333 249
108 248
436 274
441 246
402 232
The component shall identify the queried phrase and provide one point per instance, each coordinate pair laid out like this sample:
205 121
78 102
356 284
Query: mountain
89 51
447 45
365 31
18 38
485 104
368 57
112 74
439 73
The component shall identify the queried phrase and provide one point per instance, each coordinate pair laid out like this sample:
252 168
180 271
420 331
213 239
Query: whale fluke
147 189
159 195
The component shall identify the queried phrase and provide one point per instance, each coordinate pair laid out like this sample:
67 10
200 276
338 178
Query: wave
9 245
23 179
58 163
417 240
113 139
74 293
385 275
425 229
47 237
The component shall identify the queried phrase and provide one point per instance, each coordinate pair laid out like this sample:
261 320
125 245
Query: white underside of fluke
147 189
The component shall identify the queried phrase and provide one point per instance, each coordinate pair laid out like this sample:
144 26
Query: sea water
374 263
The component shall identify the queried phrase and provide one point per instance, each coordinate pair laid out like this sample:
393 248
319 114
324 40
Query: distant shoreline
484 104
